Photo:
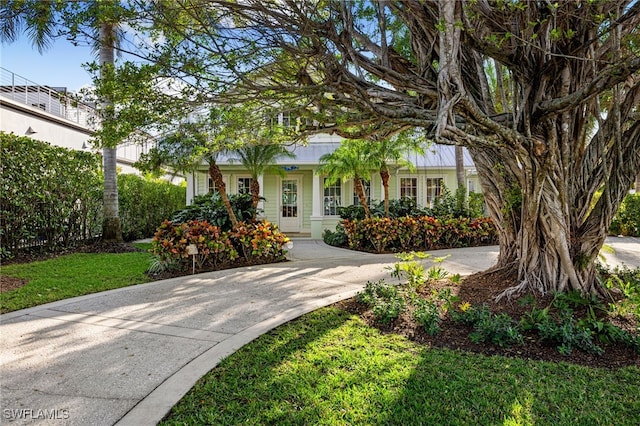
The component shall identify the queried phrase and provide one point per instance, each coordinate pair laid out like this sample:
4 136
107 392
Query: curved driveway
127 356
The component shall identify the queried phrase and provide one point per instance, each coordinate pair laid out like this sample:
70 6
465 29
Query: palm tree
45 20
392 152
259 159
188 147
350 161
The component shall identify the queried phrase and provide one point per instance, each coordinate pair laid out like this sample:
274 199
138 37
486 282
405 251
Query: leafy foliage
210 207
627 219
381 235
145 202
51 196
253 242
385 300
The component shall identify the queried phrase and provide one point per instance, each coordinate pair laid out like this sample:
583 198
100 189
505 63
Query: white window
332 198
211 186
409 188
434 189
244 185
472 186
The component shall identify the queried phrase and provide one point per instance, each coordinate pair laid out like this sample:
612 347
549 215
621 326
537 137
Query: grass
74 275
330 368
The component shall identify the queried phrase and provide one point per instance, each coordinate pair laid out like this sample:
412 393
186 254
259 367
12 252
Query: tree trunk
255 194
638 184
545 234
111 226
384 175
459 166
362 196
216 175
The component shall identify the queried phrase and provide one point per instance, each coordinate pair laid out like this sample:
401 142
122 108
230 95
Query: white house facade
301 204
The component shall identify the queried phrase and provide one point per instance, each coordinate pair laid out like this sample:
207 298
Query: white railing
54 100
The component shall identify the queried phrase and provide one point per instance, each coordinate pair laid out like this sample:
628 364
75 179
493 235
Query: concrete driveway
127 356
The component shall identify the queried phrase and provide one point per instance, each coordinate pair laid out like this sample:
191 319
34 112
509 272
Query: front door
290 205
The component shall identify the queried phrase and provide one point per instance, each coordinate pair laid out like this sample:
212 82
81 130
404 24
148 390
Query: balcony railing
54 100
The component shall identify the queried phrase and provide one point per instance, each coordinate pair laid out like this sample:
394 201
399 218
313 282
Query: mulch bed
482 288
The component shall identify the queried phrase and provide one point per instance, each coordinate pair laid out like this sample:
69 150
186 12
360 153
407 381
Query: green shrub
210 207
500 329
337 238
385 300
144 203
427 314
627 219
50 196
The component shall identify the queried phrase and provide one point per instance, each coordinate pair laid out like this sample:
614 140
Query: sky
58 66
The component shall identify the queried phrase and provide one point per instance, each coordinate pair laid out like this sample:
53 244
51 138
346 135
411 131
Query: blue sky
58 66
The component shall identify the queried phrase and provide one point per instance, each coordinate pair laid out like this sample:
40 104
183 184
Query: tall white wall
18 118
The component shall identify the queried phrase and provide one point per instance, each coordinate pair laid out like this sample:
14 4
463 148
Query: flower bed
383 235
247 243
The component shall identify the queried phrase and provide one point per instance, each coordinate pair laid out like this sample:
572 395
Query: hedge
51 197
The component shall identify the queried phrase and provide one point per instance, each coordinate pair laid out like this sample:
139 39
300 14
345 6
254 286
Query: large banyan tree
544 95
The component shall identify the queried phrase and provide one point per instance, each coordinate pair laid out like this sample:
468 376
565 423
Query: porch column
316 208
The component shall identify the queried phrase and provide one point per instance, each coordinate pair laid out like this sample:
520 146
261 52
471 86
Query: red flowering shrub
217 249
259 239
381 235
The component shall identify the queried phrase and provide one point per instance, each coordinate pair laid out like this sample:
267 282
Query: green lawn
330 368
74 275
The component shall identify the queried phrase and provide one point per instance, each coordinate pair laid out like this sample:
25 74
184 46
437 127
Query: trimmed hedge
248 243
382 235
51 197
143 203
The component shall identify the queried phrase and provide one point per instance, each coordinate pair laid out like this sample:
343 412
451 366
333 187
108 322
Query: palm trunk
111 226
362 196
255 194
384 175
216 175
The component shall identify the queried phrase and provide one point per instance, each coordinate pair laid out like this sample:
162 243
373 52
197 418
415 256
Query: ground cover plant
330 367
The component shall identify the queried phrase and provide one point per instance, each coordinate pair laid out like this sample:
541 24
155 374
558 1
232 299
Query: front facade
301 204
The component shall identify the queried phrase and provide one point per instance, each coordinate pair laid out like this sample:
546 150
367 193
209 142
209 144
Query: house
301 203
53 115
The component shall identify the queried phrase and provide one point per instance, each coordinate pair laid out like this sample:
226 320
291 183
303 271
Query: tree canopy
544 95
